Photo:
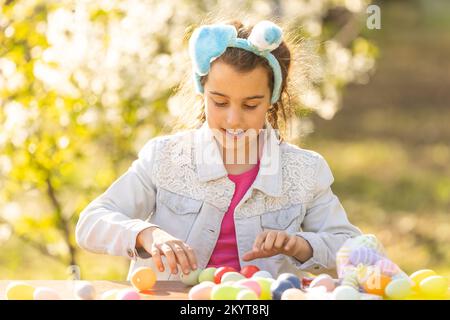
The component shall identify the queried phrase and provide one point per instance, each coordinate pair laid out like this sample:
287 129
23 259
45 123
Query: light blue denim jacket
179 183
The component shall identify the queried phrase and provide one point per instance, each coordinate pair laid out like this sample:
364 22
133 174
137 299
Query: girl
231 192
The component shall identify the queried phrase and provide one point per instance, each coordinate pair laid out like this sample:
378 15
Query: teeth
236 132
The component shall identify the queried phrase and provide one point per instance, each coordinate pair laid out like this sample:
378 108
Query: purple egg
365 256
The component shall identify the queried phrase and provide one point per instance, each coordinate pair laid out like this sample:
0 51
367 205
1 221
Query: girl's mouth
237 133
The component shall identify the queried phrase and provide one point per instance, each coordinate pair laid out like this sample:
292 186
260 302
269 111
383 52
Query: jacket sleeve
112 221
325 225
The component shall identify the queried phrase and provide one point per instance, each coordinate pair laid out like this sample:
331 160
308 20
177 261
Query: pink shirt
225 254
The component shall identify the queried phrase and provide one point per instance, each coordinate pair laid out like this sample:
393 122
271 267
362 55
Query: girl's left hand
272 242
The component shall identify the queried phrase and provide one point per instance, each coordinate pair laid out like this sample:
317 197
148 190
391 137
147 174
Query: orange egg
143 278
376 283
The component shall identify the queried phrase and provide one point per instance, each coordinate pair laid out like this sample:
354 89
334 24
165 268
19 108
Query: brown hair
242 60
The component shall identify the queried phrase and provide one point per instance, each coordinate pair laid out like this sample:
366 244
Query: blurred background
84 84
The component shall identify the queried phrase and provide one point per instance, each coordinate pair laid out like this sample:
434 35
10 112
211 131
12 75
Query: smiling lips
234 133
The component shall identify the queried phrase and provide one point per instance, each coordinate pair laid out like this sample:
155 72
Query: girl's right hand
157 242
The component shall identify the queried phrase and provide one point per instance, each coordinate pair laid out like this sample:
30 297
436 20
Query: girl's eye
220 104
251 107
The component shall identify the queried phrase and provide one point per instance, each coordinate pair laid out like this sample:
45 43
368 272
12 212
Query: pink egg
324 280
387 267
201 291
128 294
251 284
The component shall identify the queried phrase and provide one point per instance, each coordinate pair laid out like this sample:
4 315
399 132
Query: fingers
170 257
156 256
280 240
259 241
191 255
270 240
181 256
291 243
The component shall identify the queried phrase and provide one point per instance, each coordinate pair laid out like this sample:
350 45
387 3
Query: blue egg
278 287
292 278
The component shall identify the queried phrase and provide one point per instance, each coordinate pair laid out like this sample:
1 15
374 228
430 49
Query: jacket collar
210 165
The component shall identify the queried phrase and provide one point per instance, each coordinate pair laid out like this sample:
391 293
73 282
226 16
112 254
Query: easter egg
246 294
419 275
278 287
127 294
387 267
323 280
292 278
318 293
262 274
398 289
191 279
250 284
110 294
207 274
306 281
19 291
249 270
143 278
346 293
84 290
369 296
366 256
293 294
265 284
232 277
224 292
220 272
201 291
343 256
435 286
42 293
376 284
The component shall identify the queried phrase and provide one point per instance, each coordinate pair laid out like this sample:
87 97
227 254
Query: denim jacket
179 183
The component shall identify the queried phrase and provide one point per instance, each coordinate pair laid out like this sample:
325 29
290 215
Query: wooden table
163 290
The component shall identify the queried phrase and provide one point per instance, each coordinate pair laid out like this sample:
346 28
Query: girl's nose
233 119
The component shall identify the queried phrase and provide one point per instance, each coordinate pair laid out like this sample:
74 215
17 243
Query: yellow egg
19 291
419 275
143 278
435 286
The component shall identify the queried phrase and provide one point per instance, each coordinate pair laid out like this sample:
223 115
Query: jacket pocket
179 204
284 219
176 213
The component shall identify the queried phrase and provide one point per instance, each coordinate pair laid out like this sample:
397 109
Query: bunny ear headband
209 42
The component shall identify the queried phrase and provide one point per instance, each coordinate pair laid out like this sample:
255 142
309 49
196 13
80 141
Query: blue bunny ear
207 43
266 36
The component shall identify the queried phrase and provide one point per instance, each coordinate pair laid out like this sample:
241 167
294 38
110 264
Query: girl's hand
272 242
157 242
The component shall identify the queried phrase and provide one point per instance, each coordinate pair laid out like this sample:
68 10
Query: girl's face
236 103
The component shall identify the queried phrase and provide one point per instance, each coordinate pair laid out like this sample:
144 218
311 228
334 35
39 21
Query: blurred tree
83 85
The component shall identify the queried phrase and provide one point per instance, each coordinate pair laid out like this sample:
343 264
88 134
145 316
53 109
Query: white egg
43 293
84 290
346 293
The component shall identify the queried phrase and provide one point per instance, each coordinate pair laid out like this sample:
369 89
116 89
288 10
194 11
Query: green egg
224 292
435 286
246 294
232 277
265 284
398 289
207 274
191 279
